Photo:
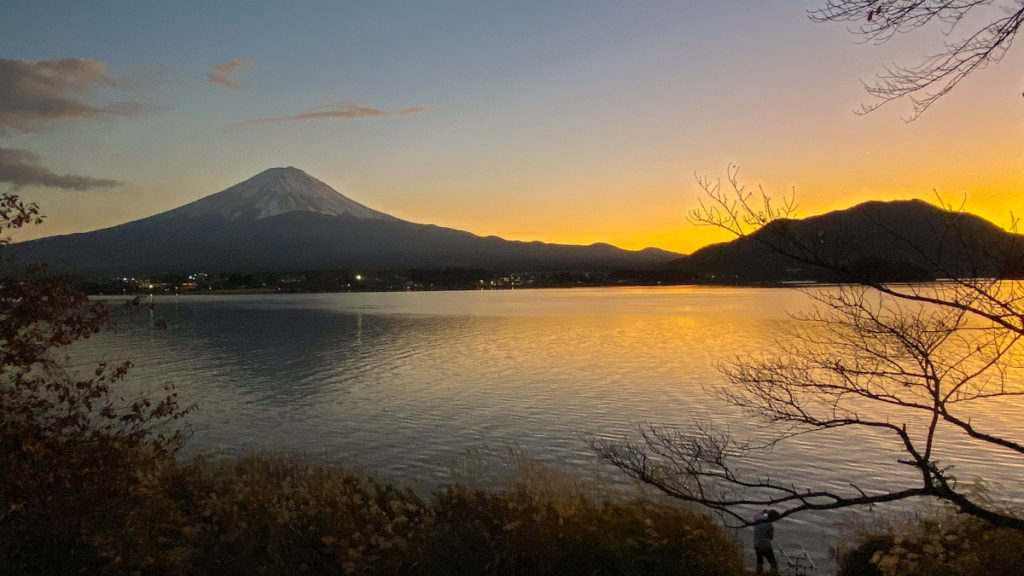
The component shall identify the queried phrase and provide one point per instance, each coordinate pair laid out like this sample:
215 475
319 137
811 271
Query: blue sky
570 122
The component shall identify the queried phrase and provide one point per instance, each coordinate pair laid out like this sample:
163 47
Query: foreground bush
76 459
516 533
529 530
276 515
266 515
941 543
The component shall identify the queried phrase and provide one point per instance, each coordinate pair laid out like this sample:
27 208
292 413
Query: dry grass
267 514
934 542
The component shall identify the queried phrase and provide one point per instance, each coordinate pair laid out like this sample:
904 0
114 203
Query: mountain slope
283 219
902 240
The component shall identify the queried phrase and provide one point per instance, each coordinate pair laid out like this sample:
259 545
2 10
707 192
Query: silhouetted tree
935 75
71 448
899 359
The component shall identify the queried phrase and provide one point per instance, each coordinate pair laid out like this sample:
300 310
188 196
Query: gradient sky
570 121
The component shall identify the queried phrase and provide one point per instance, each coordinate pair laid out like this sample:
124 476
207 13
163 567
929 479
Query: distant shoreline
267 291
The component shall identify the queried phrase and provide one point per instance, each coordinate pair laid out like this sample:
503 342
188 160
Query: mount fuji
283 219
274 192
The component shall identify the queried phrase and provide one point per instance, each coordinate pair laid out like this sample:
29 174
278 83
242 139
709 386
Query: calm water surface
406 383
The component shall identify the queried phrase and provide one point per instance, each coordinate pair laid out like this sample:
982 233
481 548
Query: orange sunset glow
571 124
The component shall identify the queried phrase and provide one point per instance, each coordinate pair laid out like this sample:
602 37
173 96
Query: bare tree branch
935 75
903 360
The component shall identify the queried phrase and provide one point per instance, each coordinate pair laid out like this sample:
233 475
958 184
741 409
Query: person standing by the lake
764 532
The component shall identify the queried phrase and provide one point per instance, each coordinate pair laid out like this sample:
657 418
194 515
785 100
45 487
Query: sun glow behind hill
572 123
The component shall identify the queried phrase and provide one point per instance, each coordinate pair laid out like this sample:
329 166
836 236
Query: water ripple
406 383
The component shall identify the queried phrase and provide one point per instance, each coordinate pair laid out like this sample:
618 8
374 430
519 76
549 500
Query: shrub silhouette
75 456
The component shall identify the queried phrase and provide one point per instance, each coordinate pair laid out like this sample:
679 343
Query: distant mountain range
891 241
283 219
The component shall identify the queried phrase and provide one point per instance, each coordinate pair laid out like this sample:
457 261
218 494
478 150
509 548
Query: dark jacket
763 533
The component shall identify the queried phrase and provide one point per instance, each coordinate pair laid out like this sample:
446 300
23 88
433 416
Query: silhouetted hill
893 241
283 219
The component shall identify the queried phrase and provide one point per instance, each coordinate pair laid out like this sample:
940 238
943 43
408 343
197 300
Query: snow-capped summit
277 191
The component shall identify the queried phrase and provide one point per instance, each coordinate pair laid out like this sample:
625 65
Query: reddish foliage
69 448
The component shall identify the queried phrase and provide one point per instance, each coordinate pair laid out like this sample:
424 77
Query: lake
405 384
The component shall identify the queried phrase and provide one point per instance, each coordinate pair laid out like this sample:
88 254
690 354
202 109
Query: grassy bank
266 514
933 542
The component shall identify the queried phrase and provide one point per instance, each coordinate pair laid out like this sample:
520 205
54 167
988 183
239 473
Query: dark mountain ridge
285 220
893 241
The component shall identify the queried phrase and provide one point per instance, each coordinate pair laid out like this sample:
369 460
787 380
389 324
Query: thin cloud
221 75
20 168
33 94
339 109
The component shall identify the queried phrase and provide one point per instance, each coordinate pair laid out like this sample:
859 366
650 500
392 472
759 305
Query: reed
272 514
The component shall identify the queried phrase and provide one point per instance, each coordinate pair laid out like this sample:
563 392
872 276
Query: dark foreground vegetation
276 515
939 543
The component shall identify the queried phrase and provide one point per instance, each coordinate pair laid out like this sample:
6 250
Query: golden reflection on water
406 383
589 358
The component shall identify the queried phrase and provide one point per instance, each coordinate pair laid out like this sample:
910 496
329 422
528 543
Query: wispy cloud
221 75
339 109
22 168
32 94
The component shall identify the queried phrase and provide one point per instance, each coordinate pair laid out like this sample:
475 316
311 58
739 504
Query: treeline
364 281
